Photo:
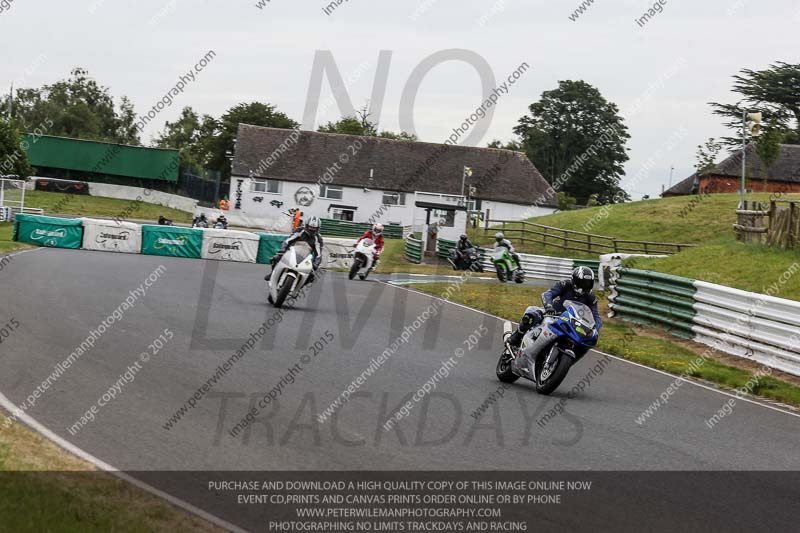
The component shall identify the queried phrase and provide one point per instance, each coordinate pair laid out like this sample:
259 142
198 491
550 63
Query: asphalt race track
212 308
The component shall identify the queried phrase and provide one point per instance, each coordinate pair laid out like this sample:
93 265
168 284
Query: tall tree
514 146
576 138
192 136
775 92
360 124
78 107
13 158
222 138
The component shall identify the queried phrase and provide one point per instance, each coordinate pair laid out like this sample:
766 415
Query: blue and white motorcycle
550 349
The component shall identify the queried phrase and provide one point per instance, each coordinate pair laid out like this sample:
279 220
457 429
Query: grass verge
95 206
641 344
43 488
393 259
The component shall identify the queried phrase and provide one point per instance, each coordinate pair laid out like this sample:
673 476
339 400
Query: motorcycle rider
376 234
577 289
309 234
459 253
501 240
200 221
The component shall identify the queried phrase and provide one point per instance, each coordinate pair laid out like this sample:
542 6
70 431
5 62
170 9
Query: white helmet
377 230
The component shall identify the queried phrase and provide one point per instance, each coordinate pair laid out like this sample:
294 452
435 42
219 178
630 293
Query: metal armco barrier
414 250
749 325
344 228
535 266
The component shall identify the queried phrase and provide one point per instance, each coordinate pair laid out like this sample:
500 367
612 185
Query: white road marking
695 383
100 465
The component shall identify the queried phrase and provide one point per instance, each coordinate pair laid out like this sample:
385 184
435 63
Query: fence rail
749 325
578 241
535 266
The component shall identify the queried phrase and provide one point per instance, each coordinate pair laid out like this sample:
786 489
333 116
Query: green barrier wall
268 246
102 158
48 231
172 241
343 228
414 250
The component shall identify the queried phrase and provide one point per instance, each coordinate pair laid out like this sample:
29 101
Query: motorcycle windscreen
581 312
301 251
367 242
499 253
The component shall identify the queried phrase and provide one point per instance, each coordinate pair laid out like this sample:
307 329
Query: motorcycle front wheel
503 369
501 273
355 268
284 290
548 379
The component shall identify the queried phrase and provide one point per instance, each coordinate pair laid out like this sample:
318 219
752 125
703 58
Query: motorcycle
363 259
469 259
506 266
553 347
200 223
290 274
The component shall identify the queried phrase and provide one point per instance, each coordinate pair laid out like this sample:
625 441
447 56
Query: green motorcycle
506 266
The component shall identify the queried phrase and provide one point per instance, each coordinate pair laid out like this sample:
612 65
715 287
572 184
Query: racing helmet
499 236
377 230
463 237
312 226
583 280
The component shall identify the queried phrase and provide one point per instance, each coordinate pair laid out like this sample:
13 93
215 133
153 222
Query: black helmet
463 237
312 226
583 280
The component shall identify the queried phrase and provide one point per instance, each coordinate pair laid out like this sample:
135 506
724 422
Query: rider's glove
549 309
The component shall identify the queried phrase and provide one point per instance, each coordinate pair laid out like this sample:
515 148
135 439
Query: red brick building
782 176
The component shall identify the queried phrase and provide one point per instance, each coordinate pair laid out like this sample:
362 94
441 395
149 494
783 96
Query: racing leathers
553 300
313 240
379 243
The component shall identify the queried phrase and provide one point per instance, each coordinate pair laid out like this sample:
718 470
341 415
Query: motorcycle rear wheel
559 372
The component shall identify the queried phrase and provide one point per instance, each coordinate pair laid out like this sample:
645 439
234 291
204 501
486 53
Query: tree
13 158
514 146
775 92
220 142
360 124
192 136
78 107
768 148
707 157
576 138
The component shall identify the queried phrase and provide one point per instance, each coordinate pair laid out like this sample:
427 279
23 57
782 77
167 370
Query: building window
330 192
444 218
343 214
394 198
262 185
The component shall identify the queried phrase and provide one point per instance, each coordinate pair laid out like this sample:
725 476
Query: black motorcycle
469 259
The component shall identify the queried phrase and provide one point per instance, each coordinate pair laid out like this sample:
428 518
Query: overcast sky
661 75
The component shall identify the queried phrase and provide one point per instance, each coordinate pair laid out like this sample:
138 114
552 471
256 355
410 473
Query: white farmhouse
370 179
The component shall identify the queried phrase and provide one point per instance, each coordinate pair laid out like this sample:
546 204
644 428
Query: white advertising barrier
337 253
110 236
608 262
229 245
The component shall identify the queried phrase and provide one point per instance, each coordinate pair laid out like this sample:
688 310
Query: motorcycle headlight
582 329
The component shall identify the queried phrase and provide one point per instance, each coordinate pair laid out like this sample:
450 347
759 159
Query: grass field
636 343
43 488
705 221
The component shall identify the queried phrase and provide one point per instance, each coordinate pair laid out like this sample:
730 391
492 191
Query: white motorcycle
291 273
363 259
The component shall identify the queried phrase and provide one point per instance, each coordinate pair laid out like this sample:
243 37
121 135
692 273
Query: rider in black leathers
309 234
577 289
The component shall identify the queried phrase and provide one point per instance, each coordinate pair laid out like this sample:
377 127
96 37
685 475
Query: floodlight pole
744 155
